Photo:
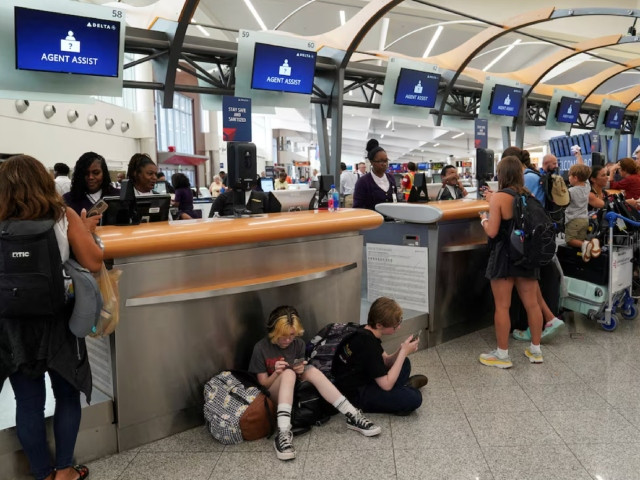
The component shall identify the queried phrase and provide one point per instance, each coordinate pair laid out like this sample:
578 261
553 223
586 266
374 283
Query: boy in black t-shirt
369 377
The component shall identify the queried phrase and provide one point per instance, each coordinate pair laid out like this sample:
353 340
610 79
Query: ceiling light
436 144
458 135
382 136
383 33
433 41
22 105
255 14
499 57
351 93
92 119
343 17
108 123
49 111
72 115
124 126
202 30
388 124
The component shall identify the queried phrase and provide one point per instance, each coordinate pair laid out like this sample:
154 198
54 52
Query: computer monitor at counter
144 209
291 200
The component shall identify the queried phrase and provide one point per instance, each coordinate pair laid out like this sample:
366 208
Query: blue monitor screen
423 166
506 100
395 167
417 89
58 42
614 117
283 69
568 109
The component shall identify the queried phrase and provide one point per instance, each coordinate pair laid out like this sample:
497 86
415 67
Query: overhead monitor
614 117
423 166
416 88
283 69
505 100
63 43
395 167
290 200
568 109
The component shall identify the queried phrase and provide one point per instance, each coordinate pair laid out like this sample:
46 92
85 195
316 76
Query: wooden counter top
433 212
161 237
459 209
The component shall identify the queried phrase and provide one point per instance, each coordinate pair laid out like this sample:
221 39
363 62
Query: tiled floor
575 417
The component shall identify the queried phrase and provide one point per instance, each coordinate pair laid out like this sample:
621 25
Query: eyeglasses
397 325
380 161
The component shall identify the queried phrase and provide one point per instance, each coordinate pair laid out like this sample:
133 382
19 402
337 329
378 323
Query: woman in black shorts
503 274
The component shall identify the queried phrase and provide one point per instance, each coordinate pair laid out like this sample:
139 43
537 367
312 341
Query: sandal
82 470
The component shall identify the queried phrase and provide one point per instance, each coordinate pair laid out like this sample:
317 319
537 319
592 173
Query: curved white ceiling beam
433 25
292 13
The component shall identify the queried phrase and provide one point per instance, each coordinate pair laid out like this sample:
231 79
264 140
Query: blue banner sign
236 119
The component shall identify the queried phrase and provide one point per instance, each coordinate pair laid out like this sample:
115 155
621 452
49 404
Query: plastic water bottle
334 199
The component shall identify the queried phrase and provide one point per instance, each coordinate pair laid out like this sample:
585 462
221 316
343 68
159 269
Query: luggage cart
604 302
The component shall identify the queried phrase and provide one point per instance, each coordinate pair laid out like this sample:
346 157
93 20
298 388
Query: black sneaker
284 447
362 424
417 381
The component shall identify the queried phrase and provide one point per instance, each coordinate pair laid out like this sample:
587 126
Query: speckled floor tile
427 357
195 440
301 443
607 372
462 353
565 396
509 429
439 400
548 373
110 468
349 464
632 415
478 375
494 399
169 466
258 466
335 436
443 430
592 426
609 461
534 462
618 395
426 463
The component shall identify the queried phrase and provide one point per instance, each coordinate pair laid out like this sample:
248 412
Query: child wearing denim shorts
576 215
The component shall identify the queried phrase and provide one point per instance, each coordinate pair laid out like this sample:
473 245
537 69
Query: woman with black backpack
502 271
35 338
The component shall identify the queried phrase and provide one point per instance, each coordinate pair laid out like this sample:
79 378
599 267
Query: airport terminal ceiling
422 29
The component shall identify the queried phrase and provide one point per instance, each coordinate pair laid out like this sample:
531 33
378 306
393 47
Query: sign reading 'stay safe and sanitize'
58 42
283 69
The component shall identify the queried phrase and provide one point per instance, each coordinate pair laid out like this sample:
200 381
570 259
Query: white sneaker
595 250
586 251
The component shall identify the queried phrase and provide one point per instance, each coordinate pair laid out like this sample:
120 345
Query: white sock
502 353
284 417
534 348
344 406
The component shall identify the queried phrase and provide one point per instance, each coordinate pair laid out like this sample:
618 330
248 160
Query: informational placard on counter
622 273
398 272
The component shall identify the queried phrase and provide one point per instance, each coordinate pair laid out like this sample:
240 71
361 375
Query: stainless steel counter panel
166 351
460 298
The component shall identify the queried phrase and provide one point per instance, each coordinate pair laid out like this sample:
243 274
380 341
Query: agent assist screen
568 109
58 42
506 100
417 89
283 69
614 117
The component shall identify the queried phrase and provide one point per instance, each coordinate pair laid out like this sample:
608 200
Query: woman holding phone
90 183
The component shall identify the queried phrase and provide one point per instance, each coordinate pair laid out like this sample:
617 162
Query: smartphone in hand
416 336
297 362
98 208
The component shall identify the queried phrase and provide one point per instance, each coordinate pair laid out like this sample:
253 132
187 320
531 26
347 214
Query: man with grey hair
636 155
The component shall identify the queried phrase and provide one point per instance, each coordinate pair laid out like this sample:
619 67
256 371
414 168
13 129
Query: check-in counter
195 296
456 295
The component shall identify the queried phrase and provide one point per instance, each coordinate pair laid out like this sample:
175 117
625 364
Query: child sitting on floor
278 361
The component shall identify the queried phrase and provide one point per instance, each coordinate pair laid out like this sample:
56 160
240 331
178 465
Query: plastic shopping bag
110 314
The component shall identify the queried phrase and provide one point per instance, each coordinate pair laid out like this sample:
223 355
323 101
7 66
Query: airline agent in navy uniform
378 186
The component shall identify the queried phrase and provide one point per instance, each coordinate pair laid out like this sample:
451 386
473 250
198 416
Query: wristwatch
98 241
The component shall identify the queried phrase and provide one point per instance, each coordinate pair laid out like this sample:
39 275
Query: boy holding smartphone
372 379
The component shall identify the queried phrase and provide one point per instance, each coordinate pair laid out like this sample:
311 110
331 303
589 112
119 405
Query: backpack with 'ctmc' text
322 348
31 278
532 240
